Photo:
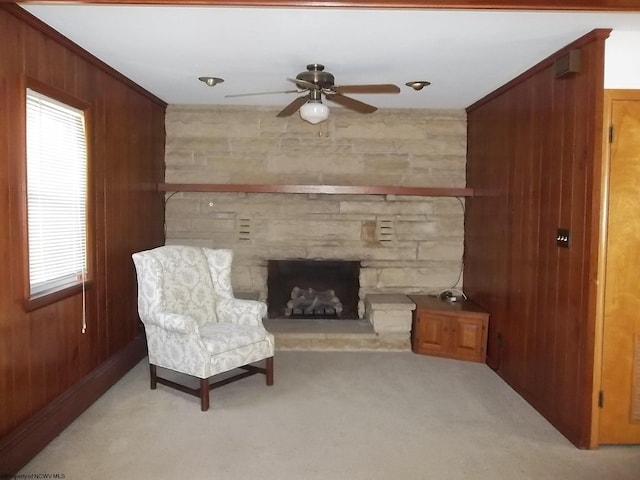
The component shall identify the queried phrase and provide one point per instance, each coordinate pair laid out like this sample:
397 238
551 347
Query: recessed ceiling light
211 81
418 84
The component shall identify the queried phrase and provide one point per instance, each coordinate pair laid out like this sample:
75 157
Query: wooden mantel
317 189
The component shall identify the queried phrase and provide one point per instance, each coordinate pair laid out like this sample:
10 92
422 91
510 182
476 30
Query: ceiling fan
315 82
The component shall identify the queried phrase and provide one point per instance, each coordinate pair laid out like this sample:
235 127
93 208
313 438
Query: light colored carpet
330 415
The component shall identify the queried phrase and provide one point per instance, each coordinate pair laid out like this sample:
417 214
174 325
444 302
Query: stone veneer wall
406 244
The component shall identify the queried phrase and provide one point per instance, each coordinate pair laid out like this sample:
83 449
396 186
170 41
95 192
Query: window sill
50 297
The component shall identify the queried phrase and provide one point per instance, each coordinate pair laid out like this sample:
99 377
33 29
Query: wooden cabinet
449 329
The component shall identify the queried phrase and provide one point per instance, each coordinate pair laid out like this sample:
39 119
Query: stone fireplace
307 289
404 244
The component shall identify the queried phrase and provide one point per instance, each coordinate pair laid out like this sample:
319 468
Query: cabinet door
432 334
467 338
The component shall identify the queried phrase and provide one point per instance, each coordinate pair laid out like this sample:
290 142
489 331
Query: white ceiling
465 54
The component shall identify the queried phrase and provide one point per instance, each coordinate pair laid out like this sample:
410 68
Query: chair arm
240 311
175 322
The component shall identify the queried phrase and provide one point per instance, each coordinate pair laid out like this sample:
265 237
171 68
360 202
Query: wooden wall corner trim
21 445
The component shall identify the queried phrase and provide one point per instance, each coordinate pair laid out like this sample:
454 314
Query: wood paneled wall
44 353
534 157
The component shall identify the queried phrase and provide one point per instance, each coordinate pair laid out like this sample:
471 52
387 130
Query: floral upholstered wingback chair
192 321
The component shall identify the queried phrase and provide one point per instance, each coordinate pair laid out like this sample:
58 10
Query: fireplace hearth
308 289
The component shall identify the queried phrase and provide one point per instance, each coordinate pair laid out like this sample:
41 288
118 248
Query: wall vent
385 230
243 229
567 63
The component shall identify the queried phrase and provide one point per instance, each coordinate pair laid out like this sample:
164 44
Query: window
56 194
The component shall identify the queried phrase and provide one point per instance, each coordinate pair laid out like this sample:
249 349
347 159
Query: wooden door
620 383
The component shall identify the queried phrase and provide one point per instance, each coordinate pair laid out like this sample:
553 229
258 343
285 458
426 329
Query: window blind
56 193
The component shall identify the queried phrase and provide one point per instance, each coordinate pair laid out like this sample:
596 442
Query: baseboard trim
24 443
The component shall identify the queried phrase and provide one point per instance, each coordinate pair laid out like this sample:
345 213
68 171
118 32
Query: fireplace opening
313 289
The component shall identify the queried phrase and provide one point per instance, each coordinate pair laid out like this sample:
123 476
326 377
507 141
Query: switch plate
562 238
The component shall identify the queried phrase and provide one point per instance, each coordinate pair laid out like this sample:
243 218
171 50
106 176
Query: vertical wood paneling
543 131
20 365
43 353
534 213
487 219
6 337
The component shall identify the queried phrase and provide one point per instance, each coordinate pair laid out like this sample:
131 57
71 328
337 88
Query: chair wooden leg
269 368
204 394
152 376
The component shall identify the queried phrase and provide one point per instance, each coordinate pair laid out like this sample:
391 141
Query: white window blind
56 193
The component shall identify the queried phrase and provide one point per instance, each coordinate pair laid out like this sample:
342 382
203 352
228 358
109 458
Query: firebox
313 289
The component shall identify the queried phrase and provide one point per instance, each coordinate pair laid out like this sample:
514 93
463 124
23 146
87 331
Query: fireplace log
311 302
310 293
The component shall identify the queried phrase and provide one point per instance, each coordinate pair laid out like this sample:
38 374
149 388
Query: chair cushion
222 337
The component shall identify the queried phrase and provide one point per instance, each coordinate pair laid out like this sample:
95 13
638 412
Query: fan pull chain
321 133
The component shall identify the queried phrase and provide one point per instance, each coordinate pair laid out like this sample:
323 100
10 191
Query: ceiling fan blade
309 85
262 93
379 88
293 106
350 103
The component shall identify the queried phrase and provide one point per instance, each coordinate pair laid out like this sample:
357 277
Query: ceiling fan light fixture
418 84
211 81
314 112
